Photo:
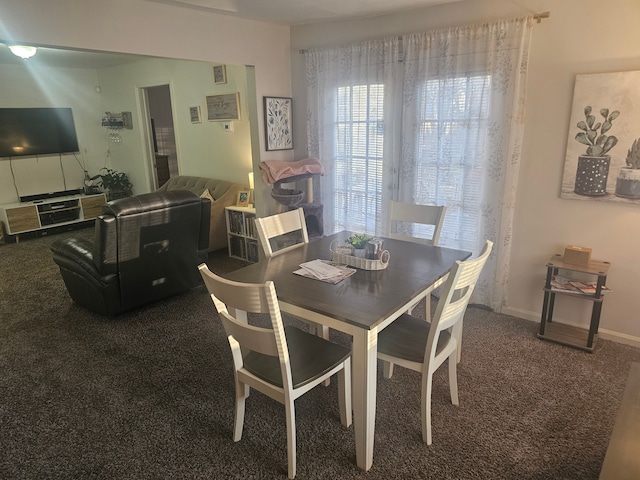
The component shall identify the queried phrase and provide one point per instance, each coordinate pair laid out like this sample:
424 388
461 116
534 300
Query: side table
568 334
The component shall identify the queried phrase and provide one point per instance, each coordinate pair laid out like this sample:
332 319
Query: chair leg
291 436
242 392
459 353
427 308
344 393
387 369
427 380
453 379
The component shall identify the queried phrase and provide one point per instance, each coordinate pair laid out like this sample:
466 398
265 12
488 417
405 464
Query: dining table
360 305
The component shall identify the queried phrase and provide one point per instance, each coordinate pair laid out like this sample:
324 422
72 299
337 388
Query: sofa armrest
77 255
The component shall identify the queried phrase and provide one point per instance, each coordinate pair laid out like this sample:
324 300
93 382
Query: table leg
364 362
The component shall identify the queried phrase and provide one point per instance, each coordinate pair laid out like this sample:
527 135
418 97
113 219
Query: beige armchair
222 193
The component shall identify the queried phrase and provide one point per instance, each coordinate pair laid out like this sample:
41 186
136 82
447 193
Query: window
450 153
359 137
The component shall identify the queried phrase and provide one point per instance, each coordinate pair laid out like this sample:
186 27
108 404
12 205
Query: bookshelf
589 286
241 233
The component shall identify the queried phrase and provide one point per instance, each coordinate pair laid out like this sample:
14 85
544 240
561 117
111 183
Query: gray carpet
149 395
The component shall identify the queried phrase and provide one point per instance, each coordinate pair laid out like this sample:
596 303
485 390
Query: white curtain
448 132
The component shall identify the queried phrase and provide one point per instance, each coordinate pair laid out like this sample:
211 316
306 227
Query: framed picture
219 74
243 198
194 114
223 107
602 160
278 123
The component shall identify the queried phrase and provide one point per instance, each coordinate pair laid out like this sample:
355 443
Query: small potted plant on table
358 241
116 184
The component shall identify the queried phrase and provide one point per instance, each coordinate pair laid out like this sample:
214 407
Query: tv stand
39 215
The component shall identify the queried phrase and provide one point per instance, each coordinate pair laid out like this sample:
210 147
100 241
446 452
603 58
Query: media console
17 218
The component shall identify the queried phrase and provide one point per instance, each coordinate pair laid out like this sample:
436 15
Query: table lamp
251 189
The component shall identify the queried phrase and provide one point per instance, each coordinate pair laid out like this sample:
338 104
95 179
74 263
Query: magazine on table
564 284
325 270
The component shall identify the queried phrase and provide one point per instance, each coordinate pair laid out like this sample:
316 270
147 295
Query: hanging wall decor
603 149
223 107
278 123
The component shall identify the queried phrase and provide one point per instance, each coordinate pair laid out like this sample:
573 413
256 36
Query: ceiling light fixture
23 51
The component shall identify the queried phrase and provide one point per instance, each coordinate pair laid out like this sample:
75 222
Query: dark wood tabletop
364 299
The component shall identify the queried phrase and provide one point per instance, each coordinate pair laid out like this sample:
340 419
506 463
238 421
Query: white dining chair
404 220
283 362
282 232
412 343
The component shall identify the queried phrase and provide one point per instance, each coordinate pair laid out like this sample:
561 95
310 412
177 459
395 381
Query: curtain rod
538 17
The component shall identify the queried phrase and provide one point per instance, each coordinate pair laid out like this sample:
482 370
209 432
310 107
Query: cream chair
281 362
408 213
415 344
282 232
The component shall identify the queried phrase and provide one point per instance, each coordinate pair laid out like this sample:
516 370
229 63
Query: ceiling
299 12
286 12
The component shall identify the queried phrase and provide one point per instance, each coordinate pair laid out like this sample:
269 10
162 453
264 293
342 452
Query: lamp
23 51
251 189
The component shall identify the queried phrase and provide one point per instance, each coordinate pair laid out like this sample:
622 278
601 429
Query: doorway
162 132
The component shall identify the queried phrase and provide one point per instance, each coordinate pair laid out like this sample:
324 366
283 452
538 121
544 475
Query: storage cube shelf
241 233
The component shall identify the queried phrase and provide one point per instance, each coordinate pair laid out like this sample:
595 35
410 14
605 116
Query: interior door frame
146 133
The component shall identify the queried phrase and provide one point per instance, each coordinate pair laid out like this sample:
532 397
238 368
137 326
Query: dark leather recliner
145 248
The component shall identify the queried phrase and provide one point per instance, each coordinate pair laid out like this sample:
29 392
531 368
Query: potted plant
357 242
593 168
628 182
116 184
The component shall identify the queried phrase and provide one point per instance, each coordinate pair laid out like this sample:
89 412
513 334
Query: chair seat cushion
406 338
310 357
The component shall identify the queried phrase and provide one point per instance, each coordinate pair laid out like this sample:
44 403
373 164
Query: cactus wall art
602 161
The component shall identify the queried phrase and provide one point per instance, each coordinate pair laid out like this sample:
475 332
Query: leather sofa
145 248
222 193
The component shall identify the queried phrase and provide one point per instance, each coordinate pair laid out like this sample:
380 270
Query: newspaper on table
325 270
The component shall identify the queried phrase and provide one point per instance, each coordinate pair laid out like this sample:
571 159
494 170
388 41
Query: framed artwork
243 198
278 123
223 107
194 114
602 161
219 74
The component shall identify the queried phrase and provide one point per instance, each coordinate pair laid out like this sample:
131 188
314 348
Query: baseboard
602 332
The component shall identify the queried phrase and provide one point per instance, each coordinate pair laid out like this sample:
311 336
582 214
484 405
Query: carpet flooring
149 395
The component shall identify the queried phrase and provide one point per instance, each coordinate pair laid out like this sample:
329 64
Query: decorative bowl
286 197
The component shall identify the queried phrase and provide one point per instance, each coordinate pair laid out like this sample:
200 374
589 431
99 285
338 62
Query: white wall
204 149
581 36
51 87
149 28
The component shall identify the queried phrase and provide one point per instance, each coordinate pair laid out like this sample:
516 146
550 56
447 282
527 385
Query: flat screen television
37 131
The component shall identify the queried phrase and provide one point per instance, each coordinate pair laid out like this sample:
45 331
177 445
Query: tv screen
36 131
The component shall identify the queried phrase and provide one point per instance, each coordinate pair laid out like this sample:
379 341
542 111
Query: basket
358 262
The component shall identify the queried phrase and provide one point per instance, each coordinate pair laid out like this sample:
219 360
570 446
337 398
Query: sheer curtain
431 118
350 91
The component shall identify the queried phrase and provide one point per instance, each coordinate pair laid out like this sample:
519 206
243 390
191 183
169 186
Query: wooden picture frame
194 114
223 107
278 121
219 74
243 198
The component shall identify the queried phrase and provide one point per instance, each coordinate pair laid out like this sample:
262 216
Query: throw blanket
274 170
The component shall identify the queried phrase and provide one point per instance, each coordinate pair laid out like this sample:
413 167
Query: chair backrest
241 299
282 232
154 243
454 298
415 214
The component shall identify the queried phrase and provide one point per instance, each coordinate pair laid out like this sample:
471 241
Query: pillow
206 194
